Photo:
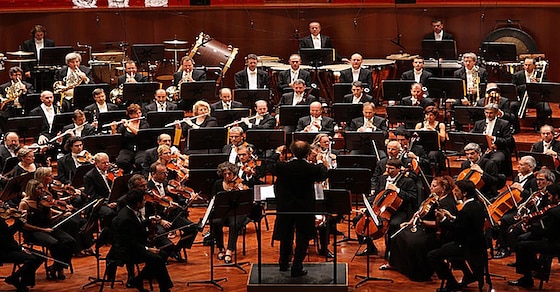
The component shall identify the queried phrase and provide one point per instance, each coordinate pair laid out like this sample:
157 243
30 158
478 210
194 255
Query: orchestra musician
131 74
356 73
530 74
263 119
187 72
493 95
315 122
78 128
12 251
131 244
47 110
393 150
71 76
420 234
500 135
430 123
8 149
26 163
325 153
487 169
299 96
526 183
417 98
98 185
40 217
67 164
100 105
369 122
544 240
160 103
473 75
357 95
287 77
18 89
236 139
548 144
34 45
294 189
251 77
129 156
467 229
249 169
226 101
201 110
418 74
315 40
412 151
229 182
177 166
438 34
151 154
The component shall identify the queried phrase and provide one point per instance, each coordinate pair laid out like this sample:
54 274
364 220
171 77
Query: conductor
294 189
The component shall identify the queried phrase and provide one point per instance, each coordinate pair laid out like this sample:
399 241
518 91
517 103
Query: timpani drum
212 53
381 69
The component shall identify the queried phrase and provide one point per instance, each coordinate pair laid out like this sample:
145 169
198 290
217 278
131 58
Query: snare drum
165 70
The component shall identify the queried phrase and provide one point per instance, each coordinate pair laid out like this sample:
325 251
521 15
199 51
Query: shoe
467 280
60 274
138 284
326 253
227 259
221 255
22 289
51 273
450 287
524 282
512 264
177 257
502 253
299 273
284 268
366 252
385 267
11 280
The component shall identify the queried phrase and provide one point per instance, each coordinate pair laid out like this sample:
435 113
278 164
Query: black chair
545 264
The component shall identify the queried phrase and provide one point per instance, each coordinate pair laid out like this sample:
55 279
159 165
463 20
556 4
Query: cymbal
175 42
105 54
20 53
176 50
21 61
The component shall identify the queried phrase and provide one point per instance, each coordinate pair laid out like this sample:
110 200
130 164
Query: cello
504 202
472 175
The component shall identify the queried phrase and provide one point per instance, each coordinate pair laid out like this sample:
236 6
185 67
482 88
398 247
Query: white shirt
522 179
233 155
253 83
528 77
470 82
297 98
226 105
294 75
489 127
438 36
355 74
161 107
78 130
417 75
39 45
356 99
316 41
102 108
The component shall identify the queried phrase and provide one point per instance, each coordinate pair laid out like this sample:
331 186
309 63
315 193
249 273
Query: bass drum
209 52
524 43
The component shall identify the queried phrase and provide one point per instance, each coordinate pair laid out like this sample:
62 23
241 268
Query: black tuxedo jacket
539 146
138 77
29 46
219 106
407 192
66 168
502 131
242 79
268 122
197 75
38 111
285 78
424 102
490 176
130 237
519 79
462 73
529 187
379 122
431 36
409 75
28 86
364 76
348 98
95 186
468 228
153 108
288 99
61 74
307 42
327 124
150 156
4 155
504 106
93 108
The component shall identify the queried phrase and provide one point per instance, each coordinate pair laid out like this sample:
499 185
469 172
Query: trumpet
185 120
240 120
121 121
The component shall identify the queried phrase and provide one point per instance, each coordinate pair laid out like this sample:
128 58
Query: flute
241 120
184 120
66 133
120 122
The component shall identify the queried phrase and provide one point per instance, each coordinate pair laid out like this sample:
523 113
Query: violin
531 217
7 213
164 201
114 171
59 187
249 167
49 202
504 202
182 171
176 188
84 157
235 185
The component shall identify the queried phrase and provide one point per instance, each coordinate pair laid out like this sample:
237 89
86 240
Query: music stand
355 180
248 97
409 115
468 115
83 94
139 92
202 180
444 49
543 92
290 114
345 112
9 164
458 140
109 117
144 53
225 117
361 141
192 92
428 139
25 127
508 90
336 202
498 51
206 161
78 179
15 186
207 139
147 138
120 187
61 120
541 158
317 57
54 56
160 119
340 90
33 100
396 89
266 139
442 88
356 161
233 204
110 144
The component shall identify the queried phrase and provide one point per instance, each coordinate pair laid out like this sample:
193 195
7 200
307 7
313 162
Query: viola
154 197
50 202
504 202
176 188
474 176
59 187
84 157
249 167
235 185
114 171
7 213
182 171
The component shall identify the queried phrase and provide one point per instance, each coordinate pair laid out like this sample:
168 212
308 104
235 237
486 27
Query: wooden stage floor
197 268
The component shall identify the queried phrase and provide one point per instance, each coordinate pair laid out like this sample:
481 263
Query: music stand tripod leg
366 278
211 281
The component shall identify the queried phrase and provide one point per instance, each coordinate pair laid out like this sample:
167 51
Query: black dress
409 249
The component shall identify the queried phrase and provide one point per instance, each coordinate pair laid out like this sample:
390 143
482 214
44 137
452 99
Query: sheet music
319 195
207 214
370 210
263 192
